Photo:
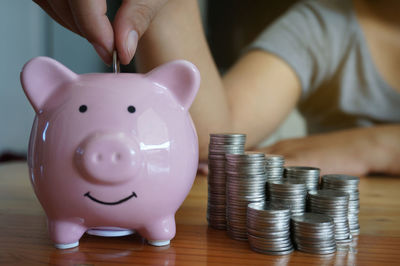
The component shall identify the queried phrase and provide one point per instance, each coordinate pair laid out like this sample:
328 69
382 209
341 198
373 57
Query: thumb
130 23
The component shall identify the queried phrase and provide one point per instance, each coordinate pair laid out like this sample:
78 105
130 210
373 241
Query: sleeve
299 37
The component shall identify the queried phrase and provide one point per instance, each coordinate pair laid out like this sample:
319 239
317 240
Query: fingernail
105 56
131 43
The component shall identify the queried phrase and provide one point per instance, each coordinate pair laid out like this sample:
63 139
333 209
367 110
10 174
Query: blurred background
28 32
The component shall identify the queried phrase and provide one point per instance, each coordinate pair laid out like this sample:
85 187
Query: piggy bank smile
87 194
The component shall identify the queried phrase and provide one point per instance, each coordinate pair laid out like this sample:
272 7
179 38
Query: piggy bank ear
42 76
181 77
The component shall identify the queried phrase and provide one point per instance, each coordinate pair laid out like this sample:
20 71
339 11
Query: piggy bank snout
108 158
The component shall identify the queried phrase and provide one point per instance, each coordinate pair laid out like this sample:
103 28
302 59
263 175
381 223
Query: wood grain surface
24 239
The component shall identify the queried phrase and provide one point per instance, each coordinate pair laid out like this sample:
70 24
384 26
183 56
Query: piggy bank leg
65 234
159 233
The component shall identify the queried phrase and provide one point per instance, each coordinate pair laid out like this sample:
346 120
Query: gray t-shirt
324 44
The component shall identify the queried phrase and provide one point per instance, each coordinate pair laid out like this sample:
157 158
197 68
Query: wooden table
24 239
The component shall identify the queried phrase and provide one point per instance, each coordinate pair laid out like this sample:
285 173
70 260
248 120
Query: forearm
176 33
254 96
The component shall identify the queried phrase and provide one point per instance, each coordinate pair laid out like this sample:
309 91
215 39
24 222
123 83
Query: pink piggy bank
111 154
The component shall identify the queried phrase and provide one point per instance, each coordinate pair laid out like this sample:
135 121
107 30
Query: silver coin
316 251
115 63
273 234
278 253
329 194
313 218
336 178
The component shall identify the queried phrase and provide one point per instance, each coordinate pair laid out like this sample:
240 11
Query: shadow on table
138 253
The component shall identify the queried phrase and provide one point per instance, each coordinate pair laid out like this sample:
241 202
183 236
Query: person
337 60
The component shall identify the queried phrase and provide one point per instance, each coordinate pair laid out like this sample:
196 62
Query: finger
269 149
47 8
293 161
90 17
131 21
62 10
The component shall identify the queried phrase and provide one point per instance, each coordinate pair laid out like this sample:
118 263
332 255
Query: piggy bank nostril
97 157
116 157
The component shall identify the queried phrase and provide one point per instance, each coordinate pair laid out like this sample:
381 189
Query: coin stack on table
268 228
289 193
245 184
239 183
273 169
334 204
314 233
220 144
305 174
349 184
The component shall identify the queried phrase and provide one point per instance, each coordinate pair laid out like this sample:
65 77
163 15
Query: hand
357 151
88 19
342 152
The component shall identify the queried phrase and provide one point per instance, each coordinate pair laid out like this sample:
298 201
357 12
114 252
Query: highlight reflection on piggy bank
111 153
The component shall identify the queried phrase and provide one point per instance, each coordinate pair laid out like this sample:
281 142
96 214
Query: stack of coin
245 184
220 144
268 228
349 184
314 233
334 204
305 174
289 193
274 167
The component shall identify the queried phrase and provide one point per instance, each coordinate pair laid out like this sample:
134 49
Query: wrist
383 149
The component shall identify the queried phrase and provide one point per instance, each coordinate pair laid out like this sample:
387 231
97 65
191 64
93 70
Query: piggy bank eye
82 108
131 109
